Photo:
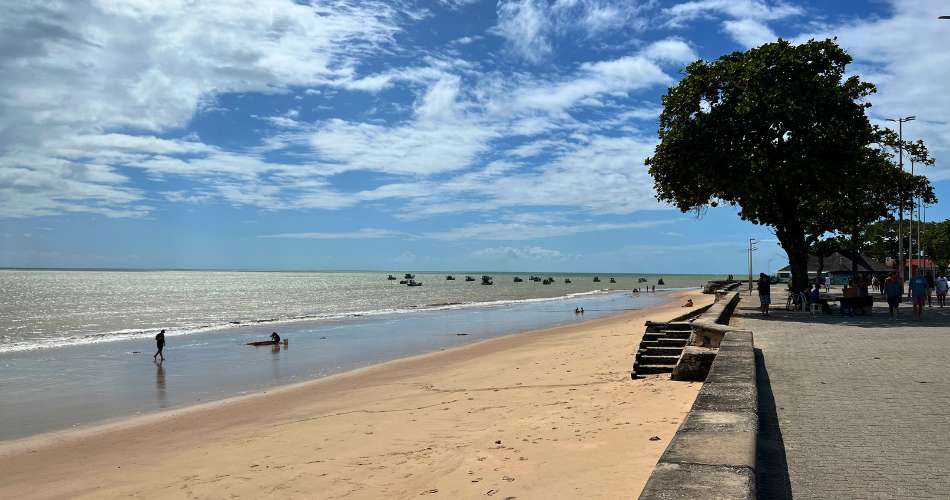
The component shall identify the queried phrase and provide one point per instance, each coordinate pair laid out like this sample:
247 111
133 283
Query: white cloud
737 9
524 24
747 23
362 234
72 72
749 32
905 55
519 253
526 230
531 26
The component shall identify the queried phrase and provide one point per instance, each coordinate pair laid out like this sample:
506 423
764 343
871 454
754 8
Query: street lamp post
752 242
900 211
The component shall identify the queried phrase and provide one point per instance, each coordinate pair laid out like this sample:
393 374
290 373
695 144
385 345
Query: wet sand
550 413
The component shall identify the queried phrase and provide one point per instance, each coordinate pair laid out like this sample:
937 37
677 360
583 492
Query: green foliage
780 132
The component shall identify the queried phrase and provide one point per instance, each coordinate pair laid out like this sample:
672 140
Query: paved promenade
861 405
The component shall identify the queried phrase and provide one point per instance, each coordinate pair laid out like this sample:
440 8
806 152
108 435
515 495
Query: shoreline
184 331
217 422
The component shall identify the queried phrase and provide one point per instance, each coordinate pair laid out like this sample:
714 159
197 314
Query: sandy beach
544 414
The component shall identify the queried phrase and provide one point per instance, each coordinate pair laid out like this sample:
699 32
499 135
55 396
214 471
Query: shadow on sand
771 468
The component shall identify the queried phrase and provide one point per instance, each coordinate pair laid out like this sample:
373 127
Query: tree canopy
780 132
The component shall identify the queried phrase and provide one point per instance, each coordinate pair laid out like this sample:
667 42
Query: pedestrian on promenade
942 285
918 293
828 284
893 291
930 289
765 293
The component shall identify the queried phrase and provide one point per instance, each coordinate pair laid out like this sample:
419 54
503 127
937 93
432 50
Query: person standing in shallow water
160 343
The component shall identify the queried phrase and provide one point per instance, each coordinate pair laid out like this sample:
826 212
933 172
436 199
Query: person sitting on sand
689 303
160 343
275 337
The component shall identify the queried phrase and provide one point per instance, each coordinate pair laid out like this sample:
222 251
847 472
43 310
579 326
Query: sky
399 134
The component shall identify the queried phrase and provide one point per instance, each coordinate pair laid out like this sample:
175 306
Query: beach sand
545 414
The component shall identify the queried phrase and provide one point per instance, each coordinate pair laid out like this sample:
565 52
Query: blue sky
446 134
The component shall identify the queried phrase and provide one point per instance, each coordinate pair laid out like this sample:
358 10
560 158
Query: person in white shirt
827 284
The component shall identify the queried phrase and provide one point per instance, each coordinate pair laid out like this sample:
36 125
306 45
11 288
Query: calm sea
54 308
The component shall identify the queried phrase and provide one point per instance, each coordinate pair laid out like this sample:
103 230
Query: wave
182 330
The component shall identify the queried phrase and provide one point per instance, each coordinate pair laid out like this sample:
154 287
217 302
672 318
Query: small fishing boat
487 280
518 280
660 282
403 282
641 280
613 280
547 281
409 276
567 280
469 278
414 283
262 343
390 277
450 278
596 279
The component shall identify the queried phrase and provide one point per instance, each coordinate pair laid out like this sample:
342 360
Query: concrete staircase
660 348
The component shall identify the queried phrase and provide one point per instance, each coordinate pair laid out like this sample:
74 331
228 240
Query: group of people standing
921 287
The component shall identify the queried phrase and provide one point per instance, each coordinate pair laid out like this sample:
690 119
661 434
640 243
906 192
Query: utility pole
900 217
752 242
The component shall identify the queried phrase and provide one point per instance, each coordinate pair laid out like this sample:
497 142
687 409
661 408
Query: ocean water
76 346
44 309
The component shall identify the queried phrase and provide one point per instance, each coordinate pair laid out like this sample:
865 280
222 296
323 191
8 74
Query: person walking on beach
160 343
765 293
918 293
893 290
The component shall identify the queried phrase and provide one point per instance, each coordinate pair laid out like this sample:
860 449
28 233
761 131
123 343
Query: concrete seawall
713 454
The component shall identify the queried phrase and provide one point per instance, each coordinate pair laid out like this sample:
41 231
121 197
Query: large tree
781 133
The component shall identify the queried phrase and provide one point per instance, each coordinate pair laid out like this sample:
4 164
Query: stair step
663 351
671 343
652 369
658 360
677 334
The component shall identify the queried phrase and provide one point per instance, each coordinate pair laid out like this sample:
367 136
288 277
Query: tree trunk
797 251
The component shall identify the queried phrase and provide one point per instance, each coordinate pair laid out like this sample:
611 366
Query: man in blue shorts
918 292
